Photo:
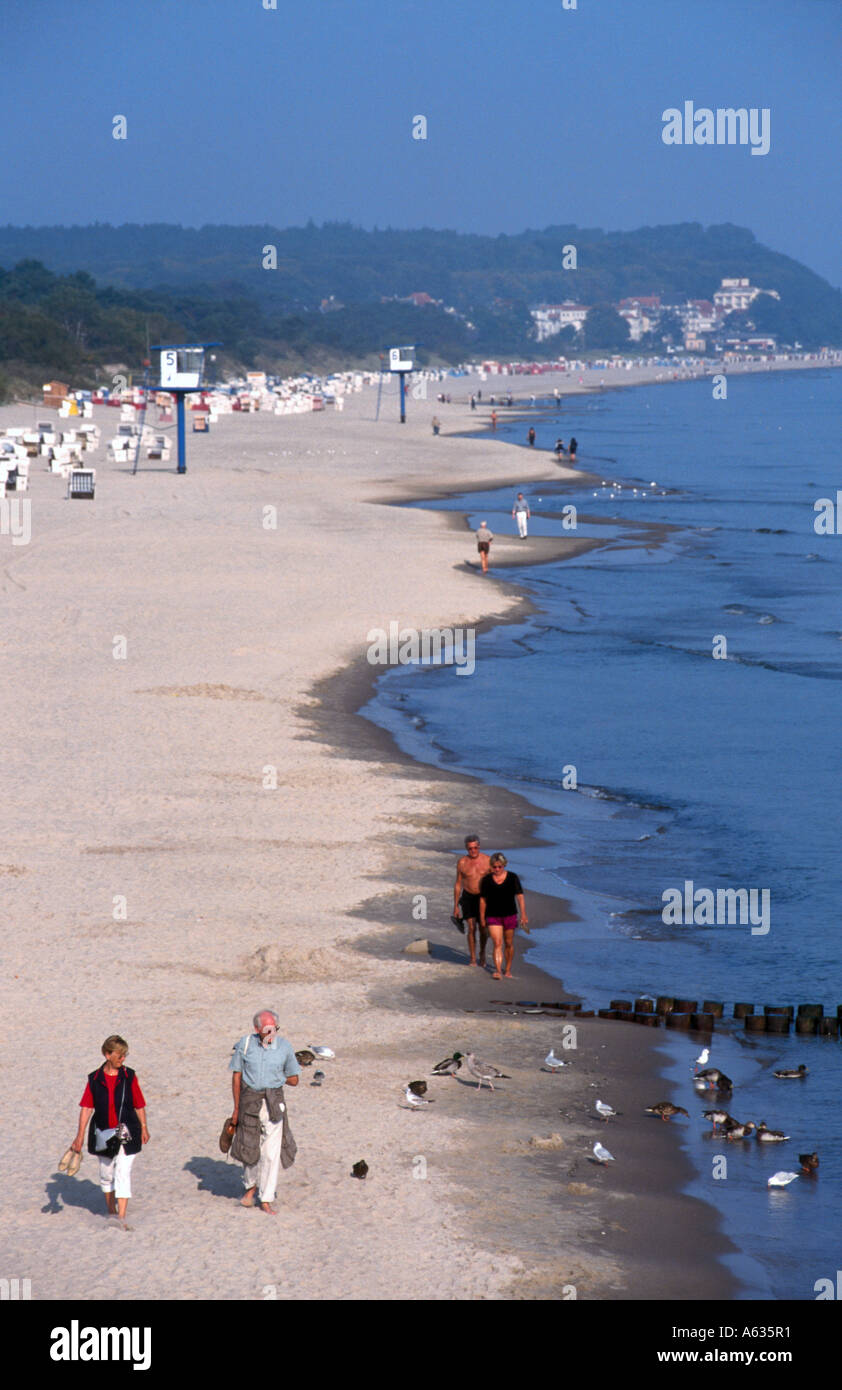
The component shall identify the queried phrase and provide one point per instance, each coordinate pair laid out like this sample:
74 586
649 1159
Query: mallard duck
809 1162
770 1136
718 1117
483 1071
666 1109
791 1073
449 1066
305 1058
716 1079
418 1088
732 1130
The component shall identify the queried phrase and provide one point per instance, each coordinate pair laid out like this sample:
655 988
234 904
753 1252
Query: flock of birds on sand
704 1078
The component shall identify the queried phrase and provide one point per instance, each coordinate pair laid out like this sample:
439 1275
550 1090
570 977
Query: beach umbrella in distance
359 1169
604 1111
601 1154
781 1179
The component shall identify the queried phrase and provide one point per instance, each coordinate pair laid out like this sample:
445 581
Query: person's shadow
216 1176
73 1192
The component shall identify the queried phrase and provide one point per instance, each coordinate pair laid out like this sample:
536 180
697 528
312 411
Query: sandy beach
205 827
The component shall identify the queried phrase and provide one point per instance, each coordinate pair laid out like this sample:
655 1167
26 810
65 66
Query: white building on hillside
549 319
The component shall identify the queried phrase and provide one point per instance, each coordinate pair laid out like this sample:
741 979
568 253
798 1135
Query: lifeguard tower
182 368
401 361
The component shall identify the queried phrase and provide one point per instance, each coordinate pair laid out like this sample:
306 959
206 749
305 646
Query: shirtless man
471 869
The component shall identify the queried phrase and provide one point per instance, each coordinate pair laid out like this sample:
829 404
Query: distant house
736 295
549 319
641 314
54 393
420 299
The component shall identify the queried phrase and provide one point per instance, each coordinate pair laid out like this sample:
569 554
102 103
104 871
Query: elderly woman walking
500 898
114 1100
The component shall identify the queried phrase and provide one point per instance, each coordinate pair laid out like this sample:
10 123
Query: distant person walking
500 899
559 449
436 424
494 419
114 1100
573 447
473 402
484 539
521 514
531 436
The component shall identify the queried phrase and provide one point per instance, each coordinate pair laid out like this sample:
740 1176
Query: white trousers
264 1173
115 1174
522 518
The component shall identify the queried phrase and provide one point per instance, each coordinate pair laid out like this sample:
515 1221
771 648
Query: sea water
675 707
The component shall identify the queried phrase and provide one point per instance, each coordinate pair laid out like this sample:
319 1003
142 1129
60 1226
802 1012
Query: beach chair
81 482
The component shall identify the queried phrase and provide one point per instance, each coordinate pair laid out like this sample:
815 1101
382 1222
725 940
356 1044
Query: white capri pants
115 1174
264 1174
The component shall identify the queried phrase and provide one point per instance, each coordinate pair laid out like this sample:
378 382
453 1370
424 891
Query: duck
305 1058
449 1066
770 1136
732 1130
791 1073
418 1088
718 1117
716 1079
665 1109
809 1162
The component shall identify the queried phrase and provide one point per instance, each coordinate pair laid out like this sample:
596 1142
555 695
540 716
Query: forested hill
466 271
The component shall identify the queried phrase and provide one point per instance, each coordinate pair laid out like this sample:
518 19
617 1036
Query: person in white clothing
521 513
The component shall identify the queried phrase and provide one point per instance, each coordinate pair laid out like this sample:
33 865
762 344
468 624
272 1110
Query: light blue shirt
264 1067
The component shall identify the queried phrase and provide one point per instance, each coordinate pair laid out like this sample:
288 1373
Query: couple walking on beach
257 1132
487 895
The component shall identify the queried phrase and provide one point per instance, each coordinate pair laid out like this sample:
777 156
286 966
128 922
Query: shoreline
235 636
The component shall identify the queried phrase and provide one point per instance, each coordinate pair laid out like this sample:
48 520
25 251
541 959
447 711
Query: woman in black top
500 897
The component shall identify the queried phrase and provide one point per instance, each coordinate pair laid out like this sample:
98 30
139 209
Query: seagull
414 1101
791 1073
702 1059
666 1110
770 1136
418 1088
483 1071
449 1066
318 1078
604 1111
359 1169
323 1053
781 1179
553 1062
304 1058
601 1154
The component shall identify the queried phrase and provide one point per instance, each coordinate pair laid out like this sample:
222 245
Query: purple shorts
507 923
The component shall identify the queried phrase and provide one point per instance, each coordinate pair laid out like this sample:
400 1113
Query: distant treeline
161 283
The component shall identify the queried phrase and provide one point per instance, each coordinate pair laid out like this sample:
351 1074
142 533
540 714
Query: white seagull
553 1062
781 1179
604 1110
601 1154
323 1053
416 1101
702 1059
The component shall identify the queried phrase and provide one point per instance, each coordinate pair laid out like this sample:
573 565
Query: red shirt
87 1101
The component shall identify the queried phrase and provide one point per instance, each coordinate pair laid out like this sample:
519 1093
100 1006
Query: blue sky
536 114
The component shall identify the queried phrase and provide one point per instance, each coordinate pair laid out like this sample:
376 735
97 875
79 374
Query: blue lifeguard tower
182 368
401 361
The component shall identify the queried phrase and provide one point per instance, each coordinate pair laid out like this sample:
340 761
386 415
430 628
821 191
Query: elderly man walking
262 1063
